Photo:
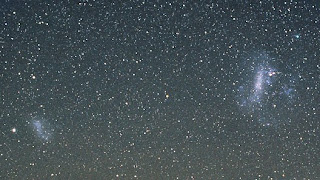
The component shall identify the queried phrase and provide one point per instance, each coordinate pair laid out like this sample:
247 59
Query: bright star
14 130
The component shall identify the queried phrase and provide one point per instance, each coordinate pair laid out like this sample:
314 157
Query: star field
159 90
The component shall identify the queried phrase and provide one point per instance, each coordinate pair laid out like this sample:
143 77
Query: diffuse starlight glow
264 78
42 129
259 93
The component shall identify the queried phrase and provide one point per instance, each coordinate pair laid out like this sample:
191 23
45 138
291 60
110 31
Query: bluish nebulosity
42 129
264 89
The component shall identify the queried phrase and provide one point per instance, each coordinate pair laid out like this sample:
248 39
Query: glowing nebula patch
265 91
42 129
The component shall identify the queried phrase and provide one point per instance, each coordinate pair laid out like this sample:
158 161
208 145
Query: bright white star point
14 130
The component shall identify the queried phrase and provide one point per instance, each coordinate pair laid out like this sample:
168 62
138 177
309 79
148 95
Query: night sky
160 90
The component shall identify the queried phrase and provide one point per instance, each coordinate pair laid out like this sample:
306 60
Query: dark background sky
159 90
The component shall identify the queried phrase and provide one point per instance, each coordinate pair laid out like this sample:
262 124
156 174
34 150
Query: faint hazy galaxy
41 129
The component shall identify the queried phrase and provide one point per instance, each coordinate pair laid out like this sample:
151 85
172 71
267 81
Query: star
14 130
297 36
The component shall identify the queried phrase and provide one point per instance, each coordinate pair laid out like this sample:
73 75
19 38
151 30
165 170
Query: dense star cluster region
135 89
41 128
266 93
